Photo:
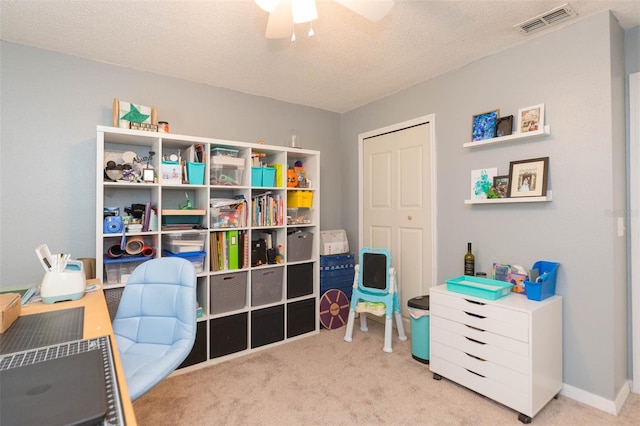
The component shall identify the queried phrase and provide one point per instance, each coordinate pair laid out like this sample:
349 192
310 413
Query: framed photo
528 178
504 126
501 272
531 118
483 126
481 182
501 185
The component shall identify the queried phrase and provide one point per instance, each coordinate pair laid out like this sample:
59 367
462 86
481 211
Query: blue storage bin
484 288
256 176
195 173
547 287
195 257
268 176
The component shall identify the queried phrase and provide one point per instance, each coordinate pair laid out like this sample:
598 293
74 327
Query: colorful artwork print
133 113
484 125
481 182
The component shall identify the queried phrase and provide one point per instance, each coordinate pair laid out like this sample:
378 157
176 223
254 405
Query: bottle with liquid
469 262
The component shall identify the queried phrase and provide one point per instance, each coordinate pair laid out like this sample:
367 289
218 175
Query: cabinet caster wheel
437 376
524 419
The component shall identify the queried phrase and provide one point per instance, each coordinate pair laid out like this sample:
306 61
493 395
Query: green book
234 252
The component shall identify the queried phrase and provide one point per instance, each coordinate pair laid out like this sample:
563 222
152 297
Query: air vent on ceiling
546 19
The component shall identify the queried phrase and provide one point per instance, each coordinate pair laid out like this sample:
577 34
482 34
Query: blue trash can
419 312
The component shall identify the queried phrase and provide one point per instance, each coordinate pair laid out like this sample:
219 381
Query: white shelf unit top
546 130
542 199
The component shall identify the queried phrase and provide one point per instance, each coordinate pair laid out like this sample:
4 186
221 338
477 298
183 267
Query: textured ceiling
350 62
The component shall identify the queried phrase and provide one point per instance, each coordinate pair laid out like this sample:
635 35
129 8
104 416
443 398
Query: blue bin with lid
420 322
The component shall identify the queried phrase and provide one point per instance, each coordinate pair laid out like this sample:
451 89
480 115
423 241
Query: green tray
484 288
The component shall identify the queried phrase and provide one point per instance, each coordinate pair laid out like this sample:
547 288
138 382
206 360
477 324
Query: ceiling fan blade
280 21
373 10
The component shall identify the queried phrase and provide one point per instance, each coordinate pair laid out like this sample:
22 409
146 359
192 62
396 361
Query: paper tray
479 287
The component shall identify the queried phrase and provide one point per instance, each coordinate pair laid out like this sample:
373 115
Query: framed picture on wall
483 126
501 185
504 126
531 118
528 178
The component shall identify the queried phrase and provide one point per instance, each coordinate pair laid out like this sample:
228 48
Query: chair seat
143 363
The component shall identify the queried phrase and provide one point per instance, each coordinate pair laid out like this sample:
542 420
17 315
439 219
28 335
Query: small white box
333 242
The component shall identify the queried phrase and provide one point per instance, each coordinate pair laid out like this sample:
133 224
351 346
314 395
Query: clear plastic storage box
183 242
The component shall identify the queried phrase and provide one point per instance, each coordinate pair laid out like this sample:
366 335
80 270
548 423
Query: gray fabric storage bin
299 246
228 292
266 285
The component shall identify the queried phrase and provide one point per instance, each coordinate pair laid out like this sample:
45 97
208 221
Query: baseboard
595 401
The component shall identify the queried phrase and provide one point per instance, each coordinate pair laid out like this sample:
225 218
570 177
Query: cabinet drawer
483 385
480 349
514 346
495 319
499 373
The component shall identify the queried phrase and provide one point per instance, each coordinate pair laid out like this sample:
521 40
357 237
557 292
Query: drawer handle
474 340
473 372
475 328
476 357
475 302
474 315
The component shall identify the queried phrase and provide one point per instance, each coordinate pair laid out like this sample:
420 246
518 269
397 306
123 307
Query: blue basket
547 285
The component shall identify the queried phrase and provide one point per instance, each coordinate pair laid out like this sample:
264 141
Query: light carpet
323 380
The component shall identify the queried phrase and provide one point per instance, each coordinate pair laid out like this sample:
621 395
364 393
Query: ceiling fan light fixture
267 5
303 11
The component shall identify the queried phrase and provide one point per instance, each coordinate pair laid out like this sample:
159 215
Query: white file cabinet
509 349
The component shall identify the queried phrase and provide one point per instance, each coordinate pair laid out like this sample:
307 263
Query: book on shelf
232 245
146 216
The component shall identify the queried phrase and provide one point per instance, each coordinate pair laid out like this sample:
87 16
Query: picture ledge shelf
543 199
546 130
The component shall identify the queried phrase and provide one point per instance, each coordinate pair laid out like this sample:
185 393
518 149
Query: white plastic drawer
500 373
514 346
479 349
486 386
496 319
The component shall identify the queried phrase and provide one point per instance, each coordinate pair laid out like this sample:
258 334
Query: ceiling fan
284 14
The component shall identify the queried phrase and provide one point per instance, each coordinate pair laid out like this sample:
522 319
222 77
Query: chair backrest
158 304
375 264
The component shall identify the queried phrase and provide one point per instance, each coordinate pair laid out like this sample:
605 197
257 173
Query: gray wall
632 50
578 74
632 65
51 104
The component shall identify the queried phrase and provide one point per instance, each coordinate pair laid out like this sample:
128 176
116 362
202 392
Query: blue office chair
375 292
155 325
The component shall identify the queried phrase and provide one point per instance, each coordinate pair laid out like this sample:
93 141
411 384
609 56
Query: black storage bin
267 326
299 280
301 317
228 335
199 351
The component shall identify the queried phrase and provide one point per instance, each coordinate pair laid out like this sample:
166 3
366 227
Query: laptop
64 391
